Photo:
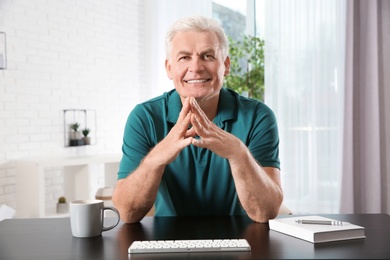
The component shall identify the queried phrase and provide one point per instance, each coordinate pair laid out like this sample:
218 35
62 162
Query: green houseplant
75 135
62 205
246 74
61 200
86 138
75 126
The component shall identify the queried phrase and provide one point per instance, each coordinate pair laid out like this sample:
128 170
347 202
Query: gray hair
198 24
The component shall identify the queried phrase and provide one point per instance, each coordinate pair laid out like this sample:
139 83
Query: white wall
66 54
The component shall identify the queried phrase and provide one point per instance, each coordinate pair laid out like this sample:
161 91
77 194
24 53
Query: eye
183 58
208 57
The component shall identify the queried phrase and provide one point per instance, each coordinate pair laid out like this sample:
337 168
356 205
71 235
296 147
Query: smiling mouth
194 81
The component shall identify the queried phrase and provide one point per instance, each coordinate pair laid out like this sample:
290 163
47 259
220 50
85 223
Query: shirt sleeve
136 143
264 141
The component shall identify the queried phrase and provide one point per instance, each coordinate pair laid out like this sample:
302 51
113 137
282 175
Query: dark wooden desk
52 239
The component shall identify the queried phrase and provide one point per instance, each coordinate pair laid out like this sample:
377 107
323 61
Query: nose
196 65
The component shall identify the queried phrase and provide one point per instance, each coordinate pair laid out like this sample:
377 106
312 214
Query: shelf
86 118
30 180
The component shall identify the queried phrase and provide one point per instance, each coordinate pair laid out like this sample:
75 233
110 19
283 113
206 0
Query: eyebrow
210 50
180 53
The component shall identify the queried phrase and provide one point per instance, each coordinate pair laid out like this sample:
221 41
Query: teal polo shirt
199 182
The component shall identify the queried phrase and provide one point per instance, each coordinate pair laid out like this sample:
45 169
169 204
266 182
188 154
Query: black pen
320 222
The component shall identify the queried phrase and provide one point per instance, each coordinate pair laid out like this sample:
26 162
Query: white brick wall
66 54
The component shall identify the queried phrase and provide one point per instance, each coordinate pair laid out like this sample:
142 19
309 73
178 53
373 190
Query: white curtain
366 164
304 77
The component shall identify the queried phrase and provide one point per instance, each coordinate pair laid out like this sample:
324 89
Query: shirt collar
227 107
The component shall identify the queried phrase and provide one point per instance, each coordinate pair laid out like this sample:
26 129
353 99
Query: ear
168 69
227 66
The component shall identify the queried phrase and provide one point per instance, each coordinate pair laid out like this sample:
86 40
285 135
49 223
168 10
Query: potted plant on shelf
62 206
75 135
86 138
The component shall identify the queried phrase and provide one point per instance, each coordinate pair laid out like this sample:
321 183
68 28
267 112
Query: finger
190 132
202 133
196 109
185 109
185 123
186 142
201 117
198 142
196 125
184 120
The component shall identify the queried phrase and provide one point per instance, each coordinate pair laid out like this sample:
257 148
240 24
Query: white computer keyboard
176 246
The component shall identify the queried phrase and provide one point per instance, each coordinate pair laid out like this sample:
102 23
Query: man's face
196 66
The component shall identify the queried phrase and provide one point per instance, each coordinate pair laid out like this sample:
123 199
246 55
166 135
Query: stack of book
316 229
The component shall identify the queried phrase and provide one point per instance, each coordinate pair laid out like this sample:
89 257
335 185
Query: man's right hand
177 139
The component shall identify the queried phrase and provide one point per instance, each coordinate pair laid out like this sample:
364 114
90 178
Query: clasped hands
194 127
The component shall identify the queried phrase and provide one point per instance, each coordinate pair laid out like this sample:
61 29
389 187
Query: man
199 149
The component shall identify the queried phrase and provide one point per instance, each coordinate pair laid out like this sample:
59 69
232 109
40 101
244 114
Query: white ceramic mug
87 218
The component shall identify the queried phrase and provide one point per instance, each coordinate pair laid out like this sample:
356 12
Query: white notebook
316 233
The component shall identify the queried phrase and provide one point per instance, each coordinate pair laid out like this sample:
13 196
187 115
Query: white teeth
197 81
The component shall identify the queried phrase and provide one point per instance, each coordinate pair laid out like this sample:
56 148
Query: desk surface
52 239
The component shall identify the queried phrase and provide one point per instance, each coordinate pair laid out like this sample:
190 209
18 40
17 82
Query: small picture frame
2 51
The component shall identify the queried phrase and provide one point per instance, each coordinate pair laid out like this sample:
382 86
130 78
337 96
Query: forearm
258 188
134 196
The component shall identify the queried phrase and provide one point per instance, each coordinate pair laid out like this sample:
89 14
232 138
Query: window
240 17
246 45
304 70
304 62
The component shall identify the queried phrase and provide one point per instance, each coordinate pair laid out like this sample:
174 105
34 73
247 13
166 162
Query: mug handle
117 218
